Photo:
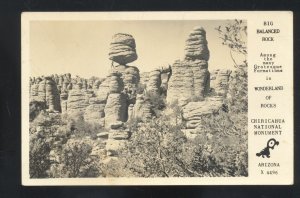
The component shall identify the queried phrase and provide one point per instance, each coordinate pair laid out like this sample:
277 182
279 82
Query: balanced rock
122 49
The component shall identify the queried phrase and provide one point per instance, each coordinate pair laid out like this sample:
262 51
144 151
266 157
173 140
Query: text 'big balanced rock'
190 77
122 49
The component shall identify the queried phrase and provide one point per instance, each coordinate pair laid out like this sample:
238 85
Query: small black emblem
266 151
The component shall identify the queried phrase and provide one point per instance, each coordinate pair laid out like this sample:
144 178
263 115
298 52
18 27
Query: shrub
76 161
39 161
221 147
158 102
155 149
35 107
237 96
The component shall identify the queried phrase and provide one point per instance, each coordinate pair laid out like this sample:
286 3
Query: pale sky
81 47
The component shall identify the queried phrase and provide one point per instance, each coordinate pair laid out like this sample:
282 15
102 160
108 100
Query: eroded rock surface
142 108
190 77
196 45
194 111
219 81
154 82
122 49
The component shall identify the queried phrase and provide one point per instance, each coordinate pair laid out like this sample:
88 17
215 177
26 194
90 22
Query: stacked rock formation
52 95
103 91
190 77
142 108
56 88
64 102
94 113
116 106
122 49
154 82
78 100
37 91
196 45
115 115
144 78
44 89
130 76
219 81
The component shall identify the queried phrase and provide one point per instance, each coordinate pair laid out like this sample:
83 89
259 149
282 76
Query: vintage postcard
157 98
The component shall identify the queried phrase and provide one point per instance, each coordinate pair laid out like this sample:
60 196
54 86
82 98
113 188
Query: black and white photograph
138 99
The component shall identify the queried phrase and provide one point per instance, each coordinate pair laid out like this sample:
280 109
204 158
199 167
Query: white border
253 19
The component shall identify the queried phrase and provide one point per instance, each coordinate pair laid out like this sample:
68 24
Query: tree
221 146
234 35
35 107
39 161
76 161
155 149
237 95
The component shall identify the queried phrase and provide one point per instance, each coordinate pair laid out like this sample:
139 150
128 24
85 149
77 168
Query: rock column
190 77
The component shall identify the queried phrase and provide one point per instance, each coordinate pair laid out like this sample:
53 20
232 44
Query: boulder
102 135
118 134
193 112
122 49
130 112
117 125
